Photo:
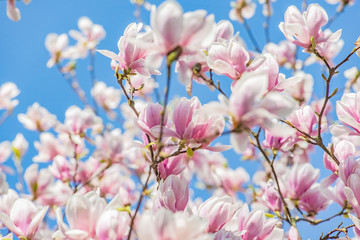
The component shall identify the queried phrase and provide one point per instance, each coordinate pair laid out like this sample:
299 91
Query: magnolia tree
138 177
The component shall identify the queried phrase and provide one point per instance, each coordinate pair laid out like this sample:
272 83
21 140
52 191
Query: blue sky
23 54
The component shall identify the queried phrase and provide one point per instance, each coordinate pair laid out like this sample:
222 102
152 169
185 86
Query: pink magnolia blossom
301 28
150 117
342 150
249 107
302 90
187 32
270 197
242 9
89 36
49 147
20 146
7 200
254 224
348 112
285 53
8 91
37 118
37 180
78 121
313 200
305 120
62 169
300 179
194 123
12 11
166 225
232 180
218 210
56 45
228 58
106 97
352 75
174 193
133 55
113 225
172 166
24 218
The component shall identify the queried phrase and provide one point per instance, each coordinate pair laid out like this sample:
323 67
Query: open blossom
302 28
37 118
166 225
218 210
24 218
348 112
106 97
187 32
56 45
285 53
12 11
8 91
229 59
89 36
174 193
242 9
132 54
20 146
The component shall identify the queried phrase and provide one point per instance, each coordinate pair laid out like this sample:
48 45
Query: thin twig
251 36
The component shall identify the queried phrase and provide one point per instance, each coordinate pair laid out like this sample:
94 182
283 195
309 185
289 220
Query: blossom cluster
127 166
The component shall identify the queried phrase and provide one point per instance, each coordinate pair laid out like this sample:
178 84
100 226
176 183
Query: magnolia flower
19 146
218 210
352 75
174 193
285 53
106 97
89 36
56 45
24 218
348 112
242 9
8 91
37 118
12 11
229 59
305 30
180 33
166 225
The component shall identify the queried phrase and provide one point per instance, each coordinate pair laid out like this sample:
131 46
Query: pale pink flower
111 146
49 147
143 85
305 120
218 210
150 117
132 54
62 169
56 45
19 146
7 200
282 143
300 179
37 180
172 166
285 53
174 30
90 35
37 118
228 58
173 193
242 9
348 110
271 197
301 28
24 218
342 150
82 213
302 90
352 75
232 180
8 91
254 224
106 97
78 121
313 200
249 107
166 225
113 225
12 11
194 123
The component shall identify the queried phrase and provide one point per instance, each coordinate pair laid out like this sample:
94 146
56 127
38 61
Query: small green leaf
189 152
